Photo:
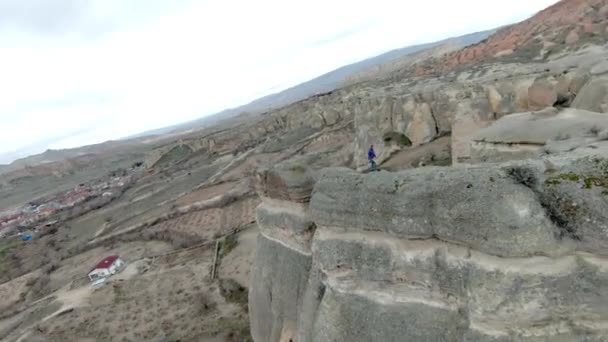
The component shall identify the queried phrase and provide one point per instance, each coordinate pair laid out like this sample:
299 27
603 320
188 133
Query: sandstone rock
291 181
527 135
541 95
466 125
447 206
495 99
572 37
600 68
351 315
279 278
572 82
492 297
441 102
422 128
289 223
283 254
521 96
509 252
591 28
500 252
593 96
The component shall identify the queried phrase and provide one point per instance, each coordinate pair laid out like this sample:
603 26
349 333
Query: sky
78 72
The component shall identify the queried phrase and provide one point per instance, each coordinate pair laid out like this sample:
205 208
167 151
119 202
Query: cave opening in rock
396 138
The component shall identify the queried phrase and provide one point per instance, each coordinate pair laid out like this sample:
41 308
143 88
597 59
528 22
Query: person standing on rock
371 155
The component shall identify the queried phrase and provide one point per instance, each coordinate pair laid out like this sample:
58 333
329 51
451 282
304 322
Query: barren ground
166 227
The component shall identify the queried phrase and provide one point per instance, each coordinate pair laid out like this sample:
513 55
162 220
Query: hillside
487 220
399 59
101 150
325 83
331 81
563 27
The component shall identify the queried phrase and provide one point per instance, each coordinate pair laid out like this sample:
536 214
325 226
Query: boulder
593 96
422 128
541 95
290 181
570 84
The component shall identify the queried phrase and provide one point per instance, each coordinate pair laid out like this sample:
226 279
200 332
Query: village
43 212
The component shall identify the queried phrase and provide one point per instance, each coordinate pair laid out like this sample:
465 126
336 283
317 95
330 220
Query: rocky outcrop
532 134
483 252
397 114
495 252
466 125
594 95
460 103
567 23
283 257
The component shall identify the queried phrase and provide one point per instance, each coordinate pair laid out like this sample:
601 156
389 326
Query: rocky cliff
468 89
508 244
495 252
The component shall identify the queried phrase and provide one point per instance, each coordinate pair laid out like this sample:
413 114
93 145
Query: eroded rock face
494 252
593 96
532 134
283 258
278 281
541 95
487 252
466 125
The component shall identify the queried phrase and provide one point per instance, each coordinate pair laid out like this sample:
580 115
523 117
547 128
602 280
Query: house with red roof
106 267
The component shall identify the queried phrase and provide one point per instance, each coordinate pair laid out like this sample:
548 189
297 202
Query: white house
106 267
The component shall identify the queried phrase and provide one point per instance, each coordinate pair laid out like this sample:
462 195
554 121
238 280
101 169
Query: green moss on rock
588 181
569 176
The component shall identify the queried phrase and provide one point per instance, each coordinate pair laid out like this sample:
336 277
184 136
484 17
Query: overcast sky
76 72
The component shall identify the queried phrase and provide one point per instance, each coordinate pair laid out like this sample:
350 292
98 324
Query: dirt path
78 297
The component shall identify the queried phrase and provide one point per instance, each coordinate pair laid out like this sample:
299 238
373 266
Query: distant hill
322 84
327 82
397 59
566 25
49 157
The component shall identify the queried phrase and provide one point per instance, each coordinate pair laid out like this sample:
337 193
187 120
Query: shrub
203 304
233 292
228 244
40 288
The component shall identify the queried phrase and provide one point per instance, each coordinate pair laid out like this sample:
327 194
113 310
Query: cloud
41 16
86 19
80 72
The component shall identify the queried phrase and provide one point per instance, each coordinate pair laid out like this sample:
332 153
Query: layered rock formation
499 252
493 251
283 256
533 134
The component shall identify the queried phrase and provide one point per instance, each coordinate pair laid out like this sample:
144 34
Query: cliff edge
495 252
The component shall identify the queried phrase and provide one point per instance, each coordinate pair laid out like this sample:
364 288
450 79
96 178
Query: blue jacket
371 154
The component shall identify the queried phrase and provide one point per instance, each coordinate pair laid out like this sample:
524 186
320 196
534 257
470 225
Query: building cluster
39 213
